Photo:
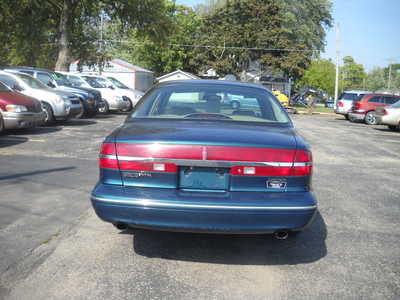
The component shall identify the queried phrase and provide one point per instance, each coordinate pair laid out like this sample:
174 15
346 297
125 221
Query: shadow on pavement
77 122
14 176
7 141
386 129
308 246
36 130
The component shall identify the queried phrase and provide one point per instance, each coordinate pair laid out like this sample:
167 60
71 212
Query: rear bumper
230 212
341 111
23 119
356 116
387 120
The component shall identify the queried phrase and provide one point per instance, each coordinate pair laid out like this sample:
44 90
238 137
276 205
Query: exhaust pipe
281 235
120 226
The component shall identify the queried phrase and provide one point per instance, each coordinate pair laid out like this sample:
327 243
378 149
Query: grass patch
316 109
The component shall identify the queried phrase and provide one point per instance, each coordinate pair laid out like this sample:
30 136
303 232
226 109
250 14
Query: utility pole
390 73
100 44
337 63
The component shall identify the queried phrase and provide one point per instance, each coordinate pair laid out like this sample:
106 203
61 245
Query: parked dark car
182 161
364 107
18 110
90 98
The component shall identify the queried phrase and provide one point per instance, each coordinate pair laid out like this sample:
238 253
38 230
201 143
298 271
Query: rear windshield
351 96
211 102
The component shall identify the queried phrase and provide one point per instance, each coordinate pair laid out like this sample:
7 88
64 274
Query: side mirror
50 84
17 88
112 87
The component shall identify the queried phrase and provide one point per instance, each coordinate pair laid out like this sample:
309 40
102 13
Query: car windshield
4 88
94 82
211 102
117 83
61 79
31 82
76 81
396 105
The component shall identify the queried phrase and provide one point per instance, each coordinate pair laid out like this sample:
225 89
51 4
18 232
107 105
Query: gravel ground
351 251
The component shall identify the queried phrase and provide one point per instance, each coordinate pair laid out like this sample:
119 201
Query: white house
131 75
177 75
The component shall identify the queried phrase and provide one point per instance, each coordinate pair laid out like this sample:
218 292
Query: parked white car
58 105
389 115
114 100
346 100
133 95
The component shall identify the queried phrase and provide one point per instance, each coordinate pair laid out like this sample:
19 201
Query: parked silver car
58 105
389 115
346 100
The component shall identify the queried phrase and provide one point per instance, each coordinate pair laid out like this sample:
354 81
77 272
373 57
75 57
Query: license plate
203 178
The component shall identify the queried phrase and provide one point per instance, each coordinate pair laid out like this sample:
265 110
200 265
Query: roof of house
189 75
114 65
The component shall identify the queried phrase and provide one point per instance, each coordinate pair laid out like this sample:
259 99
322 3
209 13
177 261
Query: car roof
358 92
191 82
26 69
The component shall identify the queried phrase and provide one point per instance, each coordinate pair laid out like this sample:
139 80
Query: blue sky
370 30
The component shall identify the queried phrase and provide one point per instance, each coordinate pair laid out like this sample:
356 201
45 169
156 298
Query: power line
221 47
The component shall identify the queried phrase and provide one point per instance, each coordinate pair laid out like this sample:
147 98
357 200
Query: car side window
44 78
390 100
376 99
27 72
9 81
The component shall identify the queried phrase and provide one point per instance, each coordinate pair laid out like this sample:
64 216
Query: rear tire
351 119
370 118
347 116
1 124
49 119
394 127
83 113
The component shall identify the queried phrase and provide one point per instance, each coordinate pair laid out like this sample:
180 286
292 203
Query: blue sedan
183 161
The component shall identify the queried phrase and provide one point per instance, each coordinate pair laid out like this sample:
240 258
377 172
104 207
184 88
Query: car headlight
59 100
15 108
119 98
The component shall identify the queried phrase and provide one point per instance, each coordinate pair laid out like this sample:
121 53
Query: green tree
375 79
64 28
232 36
166 55
321 75
352 74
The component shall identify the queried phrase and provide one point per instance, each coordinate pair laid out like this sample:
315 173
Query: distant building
177 75
131 75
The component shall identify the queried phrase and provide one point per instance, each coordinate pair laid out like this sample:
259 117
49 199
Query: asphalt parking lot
52 246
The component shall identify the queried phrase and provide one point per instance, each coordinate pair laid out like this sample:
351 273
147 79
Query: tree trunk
67 13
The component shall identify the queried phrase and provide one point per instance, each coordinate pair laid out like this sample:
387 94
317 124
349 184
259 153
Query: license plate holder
203 178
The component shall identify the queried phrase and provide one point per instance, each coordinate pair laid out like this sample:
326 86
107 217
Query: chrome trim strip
150 203
108 156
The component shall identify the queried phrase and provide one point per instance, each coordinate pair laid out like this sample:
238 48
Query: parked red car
364 107
18 110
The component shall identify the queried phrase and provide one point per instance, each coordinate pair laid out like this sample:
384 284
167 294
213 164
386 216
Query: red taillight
108 156
147 166
357 105
385 112
340 104
278 162
300 166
